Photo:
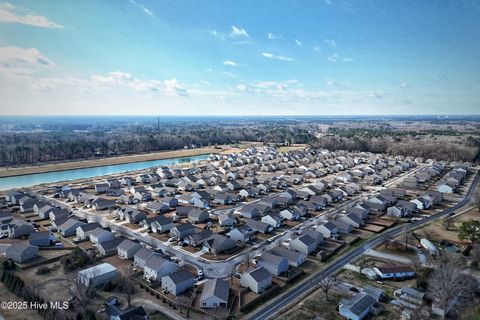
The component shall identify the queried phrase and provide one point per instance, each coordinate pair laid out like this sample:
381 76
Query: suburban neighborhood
216 238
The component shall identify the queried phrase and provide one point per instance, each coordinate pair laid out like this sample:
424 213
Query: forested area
35 141
448 149
36 147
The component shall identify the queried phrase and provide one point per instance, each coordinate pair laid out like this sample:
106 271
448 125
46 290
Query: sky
219 57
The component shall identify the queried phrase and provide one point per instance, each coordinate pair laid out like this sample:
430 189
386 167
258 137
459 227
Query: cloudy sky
319 57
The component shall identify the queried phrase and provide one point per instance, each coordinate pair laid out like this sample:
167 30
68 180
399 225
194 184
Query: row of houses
453 179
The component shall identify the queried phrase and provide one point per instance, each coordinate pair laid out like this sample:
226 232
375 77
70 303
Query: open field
18 171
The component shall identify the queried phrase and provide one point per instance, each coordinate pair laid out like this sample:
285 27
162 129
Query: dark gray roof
39 235
180 276
306 239
359 303
259 274
185 227
161 220
112 244
90 226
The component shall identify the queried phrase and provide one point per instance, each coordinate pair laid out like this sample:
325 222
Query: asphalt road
268 310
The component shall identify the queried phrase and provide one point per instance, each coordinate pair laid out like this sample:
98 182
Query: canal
73 174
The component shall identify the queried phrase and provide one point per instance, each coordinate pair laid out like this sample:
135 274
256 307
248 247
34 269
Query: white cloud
141 6
403 85
116 80
376 95
275 57
317 49
10 13
348 60
230 63
172 87
298 42
272 36
333 58
238 32
241 87
125 79
330 43
15 61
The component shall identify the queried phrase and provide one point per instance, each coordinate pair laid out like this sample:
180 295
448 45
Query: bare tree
326 284
475 254
428 233
408 239
362 263
447 224
127 285
448 284
80 290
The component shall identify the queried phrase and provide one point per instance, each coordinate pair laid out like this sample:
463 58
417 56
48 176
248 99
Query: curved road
269 310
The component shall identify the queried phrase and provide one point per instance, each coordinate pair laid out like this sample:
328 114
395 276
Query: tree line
17 148
447 149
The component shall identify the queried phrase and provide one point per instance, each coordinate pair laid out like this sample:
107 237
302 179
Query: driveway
388 256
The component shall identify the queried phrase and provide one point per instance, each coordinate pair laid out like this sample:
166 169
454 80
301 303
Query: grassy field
315 305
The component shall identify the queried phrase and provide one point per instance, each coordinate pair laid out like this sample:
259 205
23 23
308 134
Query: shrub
108 286
43 270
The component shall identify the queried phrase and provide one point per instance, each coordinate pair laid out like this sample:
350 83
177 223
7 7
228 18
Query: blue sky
323 57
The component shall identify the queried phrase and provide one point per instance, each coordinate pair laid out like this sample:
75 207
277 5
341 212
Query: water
56 176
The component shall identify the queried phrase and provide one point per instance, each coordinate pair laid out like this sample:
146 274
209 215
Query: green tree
470 230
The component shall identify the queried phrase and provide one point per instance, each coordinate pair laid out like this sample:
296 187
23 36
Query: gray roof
376 293
412 292
143 253
155 262
18 248
39 235
89 226
216 288
257 225
180 276
70 223
271 258
127 244
286 253
259 274
98 231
